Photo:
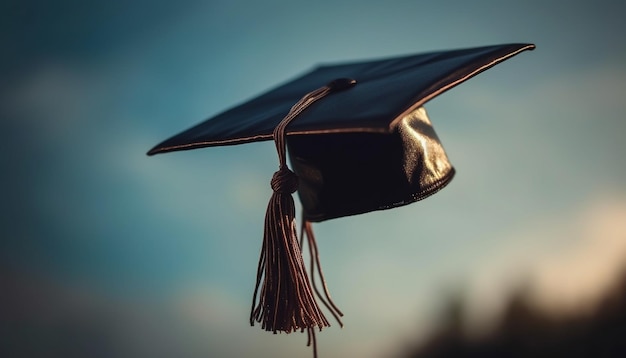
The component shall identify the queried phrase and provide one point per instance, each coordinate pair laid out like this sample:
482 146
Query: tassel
286 302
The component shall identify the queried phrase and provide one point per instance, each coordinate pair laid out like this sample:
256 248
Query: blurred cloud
567 263
576 277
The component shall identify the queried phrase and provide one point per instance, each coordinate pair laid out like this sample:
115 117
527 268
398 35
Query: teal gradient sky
156 256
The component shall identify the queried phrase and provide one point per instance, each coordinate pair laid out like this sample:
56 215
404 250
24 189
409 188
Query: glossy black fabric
367 148
343 174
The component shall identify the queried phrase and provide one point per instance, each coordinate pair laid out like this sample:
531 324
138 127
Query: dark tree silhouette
525 331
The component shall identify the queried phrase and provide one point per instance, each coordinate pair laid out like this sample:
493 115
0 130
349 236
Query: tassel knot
284 181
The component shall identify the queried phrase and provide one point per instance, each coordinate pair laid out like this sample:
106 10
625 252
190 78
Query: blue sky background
106 250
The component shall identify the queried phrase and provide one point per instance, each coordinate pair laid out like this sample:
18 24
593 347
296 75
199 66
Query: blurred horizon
108 252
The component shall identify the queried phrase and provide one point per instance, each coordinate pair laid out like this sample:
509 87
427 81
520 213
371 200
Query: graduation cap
359 140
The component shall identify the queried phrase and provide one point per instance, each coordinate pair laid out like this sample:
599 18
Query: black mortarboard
358 140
